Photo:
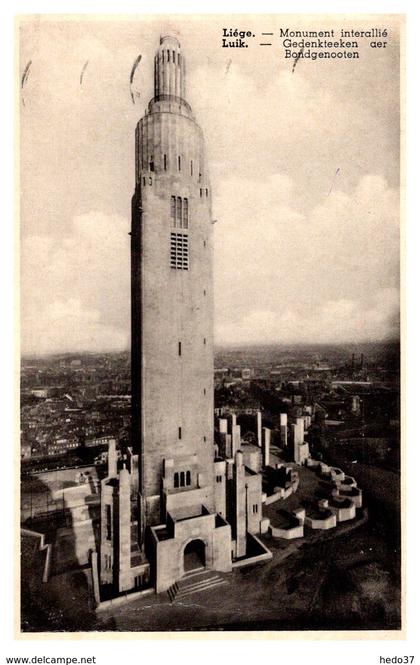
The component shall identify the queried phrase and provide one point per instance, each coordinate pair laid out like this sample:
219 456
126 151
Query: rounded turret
169 70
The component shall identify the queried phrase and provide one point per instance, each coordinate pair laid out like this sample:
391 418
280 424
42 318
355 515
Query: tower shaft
172 292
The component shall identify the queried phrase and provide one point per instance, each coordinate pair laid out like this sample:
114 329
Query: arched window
182 483
176 479
188 478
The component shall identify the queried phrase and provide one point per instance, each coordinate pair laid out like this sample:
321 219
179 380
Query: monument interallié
181 502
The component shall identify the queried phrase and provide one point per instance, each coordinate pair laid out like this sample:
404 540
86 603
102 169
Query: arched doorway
194 556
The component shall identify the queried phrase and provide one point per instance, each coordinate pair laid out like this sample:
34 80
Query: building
180 504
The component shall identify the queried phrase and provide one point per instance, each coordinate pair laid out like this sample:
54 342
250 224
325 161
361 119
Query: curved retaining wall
345 513
288 534
337 475
282 492
348 481
327 523
353 493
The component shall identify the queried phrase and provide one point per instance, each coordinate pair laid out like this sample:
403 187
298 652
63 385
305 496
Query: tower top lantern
169 70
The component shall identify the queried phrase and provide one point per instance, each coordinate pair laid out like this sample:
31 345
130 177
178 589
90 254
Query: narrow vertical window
204 292
185 214
152 164
182 483
201 193
176 479
192 169
179 432
173 210
179 162
204 391
207 192
164 163
204 243
108 521
169 55
179 212
188 478
179 59
204 341
179 349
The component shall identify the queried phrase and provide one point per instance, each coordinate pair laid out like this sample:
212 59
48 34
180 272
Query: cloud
302 166
262 120
336 321
75 289
285 275
281 274
65 326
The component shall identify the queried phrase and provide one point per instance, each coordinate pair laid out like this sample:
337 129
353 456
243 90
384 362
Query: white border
190 651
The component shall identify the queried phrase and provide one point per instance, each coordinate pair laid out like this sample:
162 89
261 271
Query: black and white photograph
210 304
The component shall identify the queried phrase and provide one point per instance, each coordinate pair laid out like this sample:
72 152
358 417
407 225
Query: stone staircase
195 582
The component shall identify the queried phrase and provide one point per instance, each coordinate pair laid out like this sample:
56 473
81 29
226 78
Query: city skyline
283 273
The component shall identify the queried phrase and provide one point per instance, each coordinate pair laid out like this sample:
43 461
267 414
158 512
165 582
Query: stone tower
172 295
196 511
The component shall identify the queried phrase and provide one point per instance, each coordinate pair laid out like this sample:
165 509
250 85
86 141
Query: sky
304 165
